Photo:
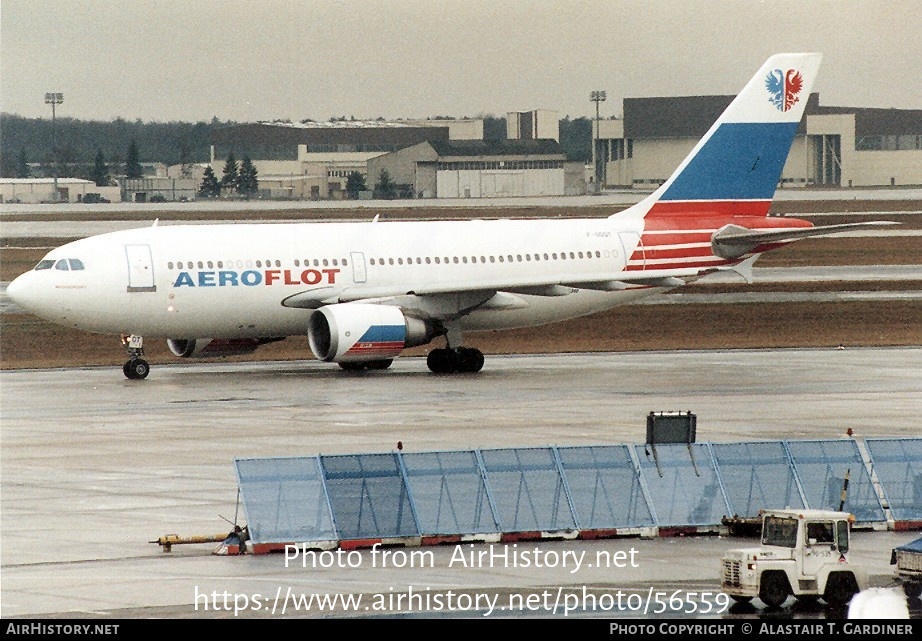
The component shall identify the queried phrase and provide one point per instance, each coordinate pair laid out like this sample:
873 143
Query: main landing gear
453 358
448 360
136 368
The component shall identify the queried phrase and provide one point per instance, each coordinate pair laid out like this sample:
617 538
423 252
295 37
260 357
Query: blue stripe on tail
740 161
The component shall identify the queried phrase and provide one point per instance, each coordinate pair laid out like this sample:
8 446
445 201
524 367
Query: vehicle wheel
741 599
840 588
774 590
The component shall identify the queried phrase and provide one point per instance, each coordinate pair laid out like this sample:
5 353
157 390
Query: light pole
596 97
54 99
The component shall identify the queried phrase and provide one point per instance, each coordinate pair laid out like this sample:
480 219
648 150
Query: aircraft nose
18 292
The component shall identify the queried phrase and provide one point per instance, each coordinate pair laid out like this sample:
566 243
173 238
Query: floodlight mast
54 99
596 97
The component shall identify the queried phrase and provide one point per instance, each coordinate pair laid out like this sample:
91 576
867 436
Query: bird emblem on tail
784 88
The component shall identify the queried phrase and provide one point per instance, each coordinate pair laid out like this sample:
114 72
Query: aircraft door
140 268
633 248
358 267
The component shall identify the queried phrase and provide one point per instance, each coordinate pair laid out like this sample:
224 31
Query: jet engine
355 332
211 347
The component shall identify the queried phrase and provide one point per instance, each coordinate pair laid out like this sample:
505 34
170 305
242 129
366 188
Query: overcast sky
249 60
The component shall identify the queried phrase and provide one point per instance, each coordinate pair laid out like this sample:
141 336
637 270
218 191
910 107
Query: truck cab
803 553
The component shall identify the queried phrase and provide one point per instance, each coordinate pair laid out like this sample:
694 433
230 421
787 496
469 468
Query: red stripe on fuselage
712 208
652 253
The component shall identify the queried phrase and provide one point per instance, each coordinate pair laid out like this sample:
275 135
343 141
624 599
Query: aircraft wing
503 292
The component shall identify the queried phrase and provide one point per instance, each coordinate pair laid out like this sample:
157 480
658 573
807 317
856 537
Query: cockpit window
62 265
44 264
75 264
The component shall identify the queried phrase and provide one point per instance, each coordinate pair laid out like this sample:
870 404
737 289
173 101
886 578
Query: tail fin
735 168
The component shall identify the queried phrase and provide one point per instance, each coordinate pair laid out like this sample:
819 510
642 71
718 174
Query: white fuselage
229 281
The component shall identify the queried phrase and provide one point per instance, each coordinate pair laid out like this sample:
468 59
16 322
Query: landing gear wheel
351 366
445 360
136 369
384 363
470 360
442 361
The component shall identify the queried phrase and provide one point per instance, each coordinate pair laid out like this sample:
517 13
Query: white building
41 190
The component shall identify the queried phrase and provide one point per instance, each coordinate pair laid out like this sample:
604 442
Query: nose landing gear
136 368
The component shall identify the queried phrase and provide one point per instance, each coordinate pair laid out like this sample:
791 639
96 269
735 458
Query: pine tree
355 183
100 174
210 187
386 187
231 174
247 181
22 166
133 162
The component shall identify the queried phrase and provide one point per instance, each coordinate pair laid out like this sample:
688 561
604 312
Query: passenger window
44 264
62 265
75 264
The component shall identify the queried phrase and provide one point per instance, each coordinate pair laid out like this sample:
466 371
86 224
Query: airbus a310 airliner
365 291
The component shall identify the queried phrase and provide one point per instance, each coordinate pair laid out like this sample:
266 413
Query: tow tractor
804 554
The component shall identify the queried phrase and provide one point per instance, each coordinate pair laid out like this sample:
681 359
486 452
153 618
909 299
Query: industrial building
834 147
42 190
313 160
482 169
425 158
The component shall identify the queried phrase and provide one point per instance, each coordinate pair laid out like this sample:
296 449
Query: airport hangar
835 147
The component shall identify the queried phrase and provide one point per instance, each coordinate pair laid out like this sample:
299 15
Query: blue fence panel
688 493
449 493
284 500
822 467
757 476
898 464
527 490
368 496
605 487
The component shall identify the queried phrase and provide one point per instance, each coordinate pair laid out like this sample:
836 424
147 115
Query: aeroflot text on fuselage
254 277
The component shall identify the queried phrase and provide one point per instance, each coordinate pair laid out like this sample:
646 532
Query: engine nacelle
211 347
355 332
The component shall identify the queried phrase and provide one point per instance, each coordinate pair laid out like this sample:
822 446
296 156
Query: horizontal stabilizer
733 241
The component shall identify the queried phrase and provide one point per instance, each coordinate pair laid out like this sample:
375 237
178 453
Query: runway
95 467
